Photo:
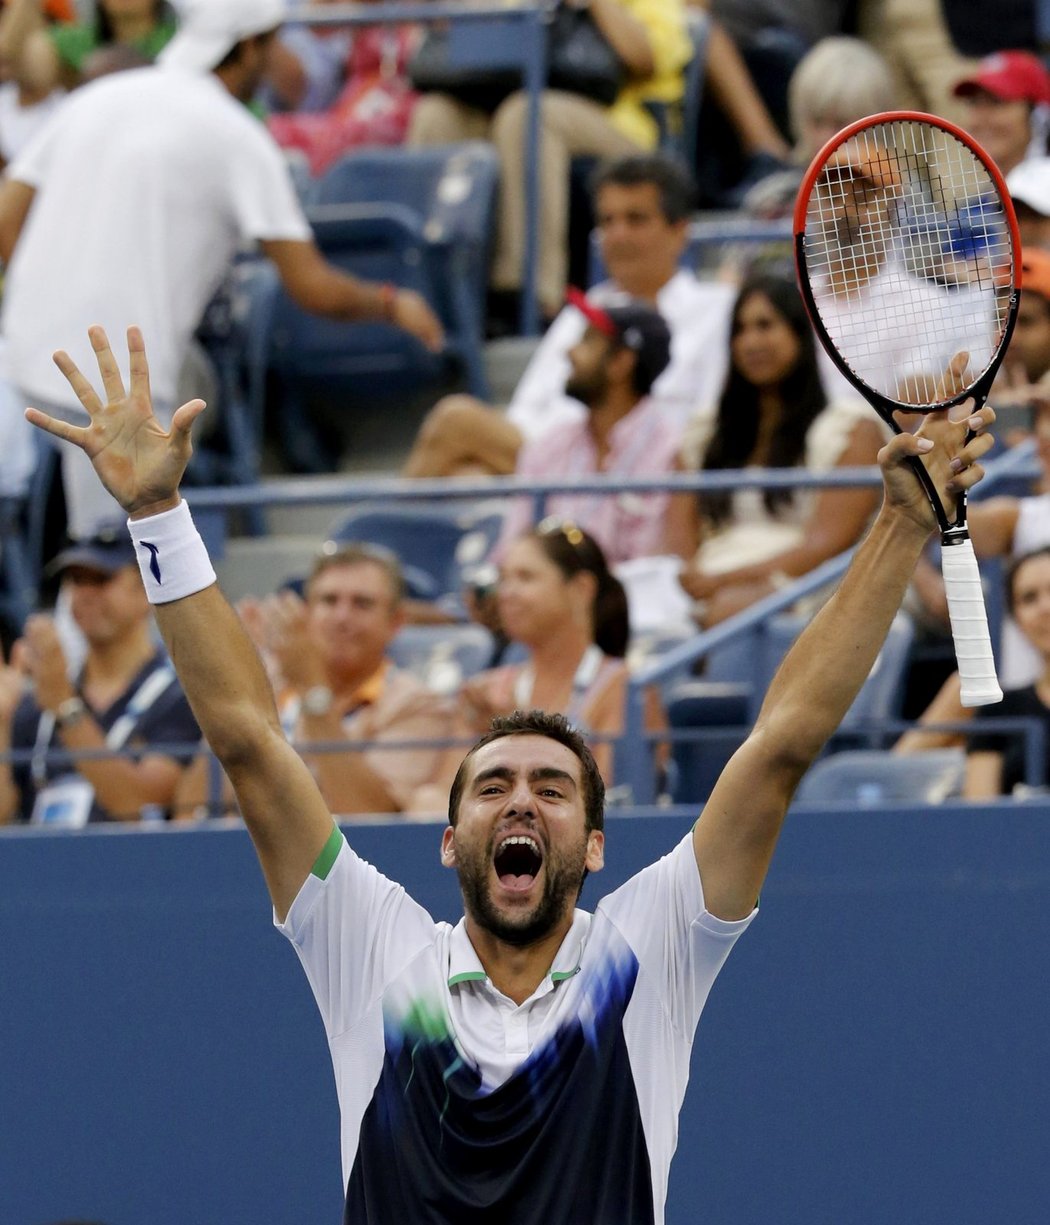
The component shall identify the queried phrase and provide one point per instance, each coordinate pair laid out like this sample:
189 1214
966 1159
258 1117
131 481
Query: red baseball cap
1012 76
635 325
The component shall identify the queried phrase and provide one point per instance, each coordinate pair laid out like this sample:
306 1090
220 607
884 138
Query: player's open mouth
517 861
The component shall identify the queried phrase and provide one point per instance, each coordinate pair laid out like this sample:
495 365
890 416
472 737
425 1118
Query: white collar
464 964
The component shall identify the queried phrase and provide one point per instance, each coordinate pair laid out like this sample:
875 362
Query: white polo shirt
460 1106
147 182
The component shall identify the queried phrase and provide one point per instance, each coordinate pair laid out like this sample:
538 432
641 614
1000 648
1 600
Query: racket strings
910 259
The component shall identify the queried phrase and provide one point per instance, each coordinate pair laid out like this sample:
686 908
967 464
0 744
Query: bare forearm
682 534
792 563
122 787
315 285
626 34
735 93
342 296
825 669
220 672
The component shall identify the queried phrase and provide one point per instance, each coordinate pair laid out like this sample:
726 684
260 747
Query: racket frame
952 533
886 406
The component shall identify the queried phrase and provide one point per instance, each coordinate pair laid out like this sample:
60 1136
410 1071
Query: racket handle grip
973 645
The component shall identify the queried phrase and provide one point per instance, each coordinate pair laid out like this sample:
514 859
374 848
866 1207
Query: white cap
1029 183
208 30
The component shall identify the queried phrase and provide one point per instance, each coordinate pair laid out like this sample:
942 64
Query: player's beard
563 877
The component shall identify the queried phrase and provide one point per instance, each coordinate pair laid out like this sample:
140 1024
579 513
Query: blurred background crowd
396 275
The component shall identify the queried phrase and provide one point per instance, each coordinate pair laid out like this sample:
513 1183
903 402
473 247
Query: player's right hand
137 460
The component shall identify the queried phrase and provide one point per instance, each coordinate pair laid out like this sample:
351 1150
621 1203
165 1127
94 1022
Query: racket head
908 253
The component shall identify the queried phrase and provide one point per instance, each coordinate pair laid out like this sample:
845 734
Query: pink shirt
626 525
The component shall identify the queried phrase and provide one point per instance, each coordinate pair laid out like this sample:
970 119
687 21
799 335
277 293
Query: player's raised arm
823 672
141 464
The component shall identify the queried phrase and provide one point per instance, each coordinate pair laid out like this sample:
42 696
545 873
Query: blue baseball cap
109 550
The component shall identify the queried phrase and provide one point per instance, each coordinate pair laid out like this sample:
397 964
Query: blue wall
875 1050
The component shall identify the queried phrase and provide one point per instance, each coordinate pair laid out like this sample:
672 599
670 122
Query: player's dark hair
668 176
802 399
575 551
1012 572
554 727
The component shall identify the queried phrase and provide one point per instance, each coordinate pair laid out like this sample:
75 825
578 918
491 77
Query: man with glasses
125 695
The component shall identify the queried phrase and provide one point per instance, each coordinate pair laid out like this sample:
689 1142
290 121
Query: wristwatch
317 700
71 711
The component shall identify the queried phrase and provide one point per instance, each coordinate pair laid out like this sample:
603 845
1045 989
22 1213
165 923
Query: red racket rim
798 221
816 167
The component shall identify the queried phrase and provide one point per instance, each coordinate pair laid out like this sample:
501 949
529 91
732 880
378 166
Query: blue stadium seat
232 332
882 695
720 712
723 705
872 776
420 219
451 192
436 542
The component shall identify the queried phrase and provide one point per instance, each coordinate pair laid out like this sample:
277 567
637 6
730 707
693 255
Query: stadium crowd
158 155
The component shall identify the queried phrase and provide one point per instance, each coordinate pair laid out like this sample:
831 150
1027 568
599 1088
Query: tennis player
528 1064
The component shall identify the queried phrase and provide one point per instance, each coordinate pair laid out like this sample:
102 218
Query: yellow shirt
665 22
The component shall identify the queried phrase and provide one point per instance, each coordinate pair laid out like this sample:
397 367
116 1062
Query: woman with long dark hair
559 601
773 413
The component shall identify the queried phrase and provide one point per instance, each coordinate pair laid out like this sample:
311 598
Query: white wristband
172 557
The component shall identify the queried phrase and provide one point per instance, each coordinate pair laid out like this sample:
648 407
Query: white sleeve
679 945
354 931
263 196
539 400
33 163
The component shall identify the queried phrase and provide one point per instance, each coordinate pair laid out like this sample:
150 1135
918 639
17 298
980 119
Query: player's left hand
137 460
944 445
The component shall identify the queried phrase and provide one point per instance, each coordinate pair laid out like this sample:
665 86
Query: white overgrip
973 646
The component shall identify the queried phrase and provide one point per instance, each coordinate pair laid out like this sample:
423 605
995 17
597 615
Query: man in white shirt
642 206
528 1064
131 204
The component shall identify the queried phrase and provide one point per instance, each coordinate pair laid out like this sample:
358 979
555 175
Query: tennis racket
908 258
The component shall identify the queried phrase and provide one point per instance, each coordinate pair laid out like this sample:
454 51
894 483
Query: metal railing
633 755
